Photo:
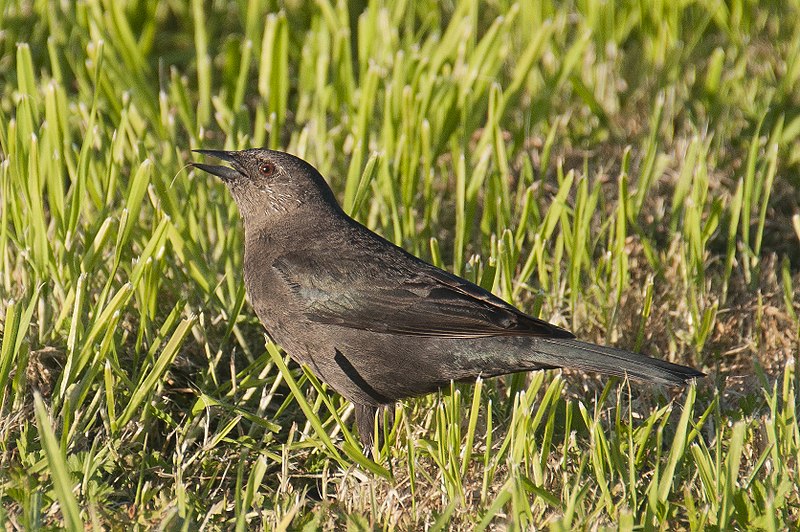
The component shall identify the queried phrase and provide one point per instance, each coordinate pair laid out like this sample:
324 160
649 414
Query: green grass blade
57 465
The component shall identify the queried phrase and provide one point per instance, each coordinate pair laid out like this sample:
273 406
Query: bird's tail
569 353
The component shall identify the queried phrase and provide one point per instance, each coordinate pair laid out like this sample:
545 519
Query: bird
373 321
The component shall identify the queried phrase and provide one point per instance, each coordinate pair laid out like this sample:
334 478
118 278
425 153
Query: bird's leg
365 423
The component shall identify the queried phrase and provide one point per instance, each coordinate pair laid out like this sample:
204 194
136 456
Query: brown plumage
373 321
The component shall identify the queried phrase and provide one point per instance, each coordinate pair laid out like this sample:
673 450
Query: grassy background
628 170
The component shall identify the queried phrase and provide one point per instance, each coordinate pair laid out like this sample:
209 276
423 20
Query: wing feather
423 301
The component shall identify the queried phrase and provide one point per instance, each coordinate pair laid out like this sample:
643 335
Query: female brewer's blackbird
373 321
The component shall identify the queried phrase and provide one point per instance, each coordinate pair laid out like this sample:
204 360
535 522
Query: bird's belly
398 366
378 368
381 368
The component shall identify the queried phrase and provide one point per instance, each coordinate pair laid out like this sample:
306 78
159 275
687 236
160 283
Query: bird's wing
410 297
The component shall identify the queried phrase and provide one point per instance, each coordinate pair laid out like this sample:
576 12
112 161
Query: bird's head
267 183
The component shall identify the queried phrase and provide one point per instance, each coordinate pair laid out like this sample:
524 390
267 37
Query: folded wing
396 299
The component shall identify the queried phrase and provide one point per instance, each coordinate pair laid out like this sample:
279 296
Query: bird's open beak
226 173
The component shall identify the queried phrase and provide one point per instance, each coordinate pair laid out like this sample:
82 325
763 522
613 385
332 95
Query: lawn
628 170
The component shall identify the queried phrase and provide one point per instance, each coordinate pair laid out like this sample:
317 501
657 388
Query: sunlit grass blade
57 464
160 366
311 416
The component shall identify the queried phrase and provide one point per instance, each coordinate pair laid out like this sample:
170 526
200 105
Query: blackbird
373 321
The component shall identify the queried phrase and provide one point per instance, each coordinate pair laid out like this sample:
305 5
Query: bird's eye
266 169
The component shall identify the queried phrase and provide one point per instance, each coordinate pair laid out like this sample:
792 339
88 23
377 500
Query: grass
628 170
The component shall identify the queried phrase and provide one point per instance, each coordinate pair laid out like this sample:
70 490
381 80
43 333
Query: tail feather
569 353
